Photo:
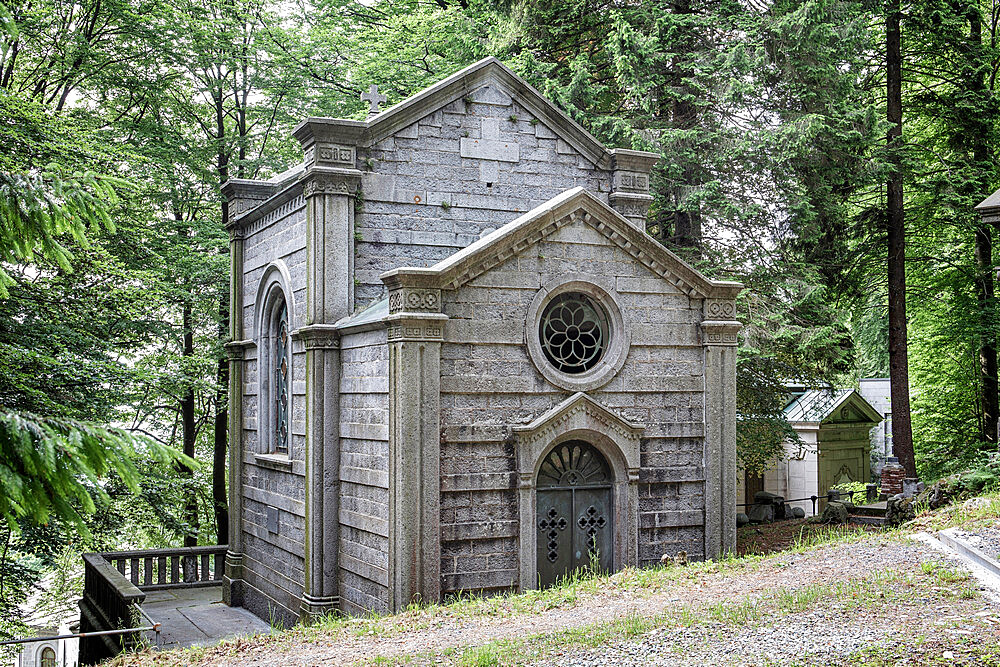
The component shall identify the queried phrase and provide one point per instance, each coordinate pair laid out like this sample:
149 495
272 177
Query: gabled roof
459 85
990 203
533 226
821 405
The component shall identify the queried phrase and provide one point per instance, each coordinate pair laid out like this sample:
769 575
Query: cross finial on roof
374 98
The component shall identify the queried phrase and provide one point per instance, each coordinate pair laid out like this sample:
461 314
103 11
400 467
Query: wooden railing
115 585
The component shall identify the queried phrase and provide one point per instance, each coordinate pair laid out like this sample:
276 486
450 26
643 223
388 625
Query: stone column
630 187
329 184
415 333
719 339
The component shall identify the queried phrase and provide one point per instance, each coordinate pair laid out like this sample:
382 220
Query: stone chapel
458 362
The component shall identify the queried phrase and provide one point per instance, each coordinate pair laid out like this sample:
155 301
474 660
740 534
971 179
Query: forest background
120 120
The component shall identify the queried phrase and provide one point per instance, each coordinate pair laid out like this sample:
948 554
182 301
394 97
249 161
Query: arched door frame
580 418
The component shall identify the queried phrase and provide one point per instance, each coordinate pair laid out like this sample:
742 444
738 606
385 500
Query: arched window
280 369
275 372
47 658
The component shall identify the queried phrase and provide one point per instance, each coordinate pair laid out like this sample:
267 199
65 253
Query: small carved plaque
336 154
631 181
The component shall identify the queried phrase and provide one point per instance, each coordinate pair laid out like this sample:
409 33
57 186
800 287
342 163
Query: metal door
575 515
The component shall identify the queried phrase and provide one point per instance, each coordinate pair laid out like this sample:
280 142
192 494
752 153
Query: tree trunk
221 502
902 434
684 116
990 401
188 431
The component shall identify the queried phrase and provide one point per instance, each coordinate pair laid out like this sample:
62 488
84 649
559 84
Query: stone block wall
436 186
274 560
364 472
489 383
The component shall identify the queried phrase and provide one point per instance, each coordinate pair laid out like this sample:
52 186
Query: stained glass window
573 333
281 393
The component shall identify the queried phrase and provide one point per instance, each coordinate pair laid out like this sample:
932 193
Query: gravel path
818 632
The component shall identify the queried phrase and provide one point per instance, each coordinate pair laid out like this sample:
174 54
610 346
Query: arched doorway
574 511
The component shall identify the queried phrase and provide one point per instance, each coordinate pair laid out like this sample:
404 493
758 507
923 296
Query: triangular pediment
852 408
581 416
486 82
578 404
529 229
490 82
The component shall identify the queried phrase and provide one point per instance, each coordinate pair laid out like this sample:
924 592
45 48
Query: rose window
573 332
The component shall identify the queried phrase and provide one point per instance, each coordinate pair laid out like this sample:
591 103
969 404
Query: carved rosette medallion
719 309
415 330
413 300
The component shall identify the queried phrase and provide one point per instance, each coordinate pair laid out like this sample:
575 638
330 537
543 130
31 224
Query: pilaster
232 589
719 337
630 184
415 332
329 185
322 345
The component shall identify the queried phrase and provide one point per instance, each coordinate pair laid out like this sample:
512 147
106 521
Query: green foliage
54 467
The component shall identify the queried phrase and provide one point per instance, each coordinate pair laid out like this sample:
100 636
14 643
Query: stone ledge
274 461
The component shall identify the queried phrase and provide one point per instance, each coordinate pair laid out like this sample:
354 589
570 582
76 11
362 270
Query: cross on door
374 98
548 526
591 521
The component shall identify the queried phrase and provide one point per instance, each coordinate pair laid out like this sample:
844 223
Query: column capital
330 181
410 326
244 195
720 332
634 206
989 209
318 336
236 349
630 184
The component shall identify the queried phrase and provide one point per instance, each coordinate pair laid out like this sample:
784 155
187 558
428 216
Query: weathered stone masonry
422 403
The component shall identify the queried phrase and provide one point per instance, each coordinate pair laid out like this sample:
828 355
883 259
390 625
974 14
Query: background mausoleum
459 363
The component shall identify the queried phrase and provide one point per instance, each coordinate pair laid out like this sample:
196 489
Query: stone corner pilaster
414 338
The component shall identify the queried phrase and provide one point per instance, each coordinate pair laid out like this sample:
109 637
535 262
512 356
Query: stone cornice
245 195
630 160
237 226
237 348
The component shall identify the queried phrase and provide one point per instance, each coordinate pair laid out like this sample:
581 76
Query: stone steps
862 520
873 509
